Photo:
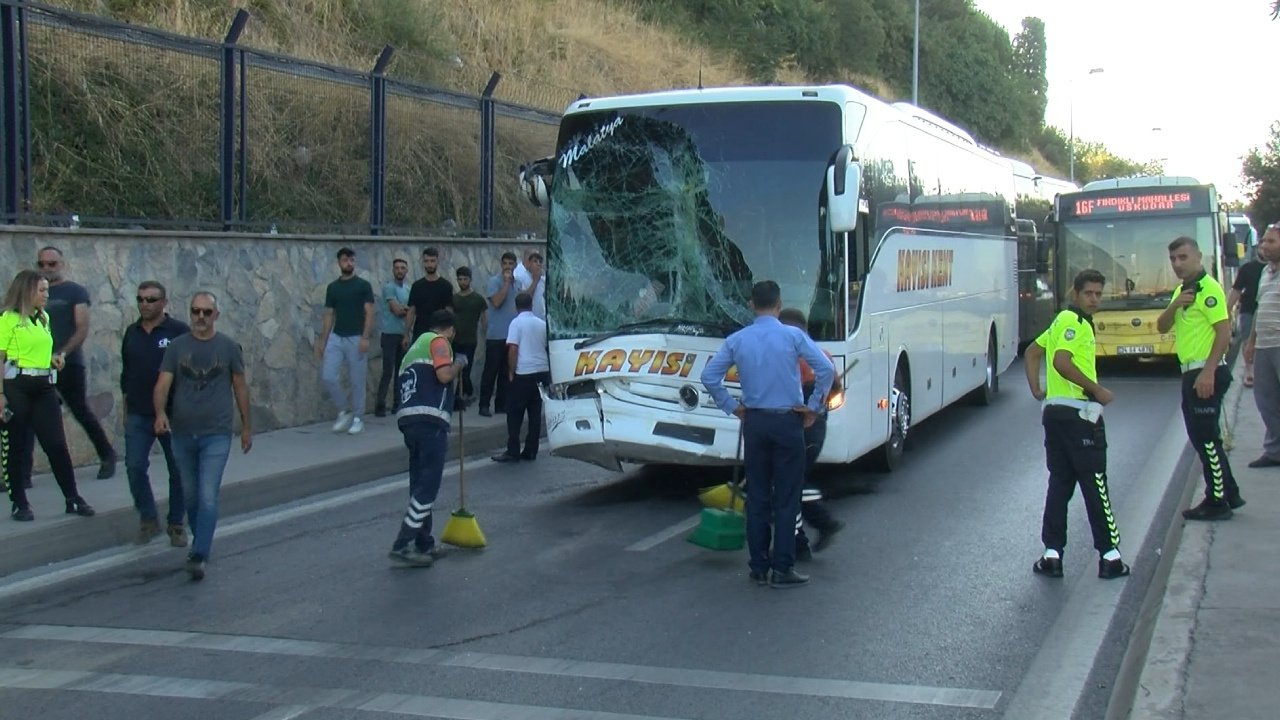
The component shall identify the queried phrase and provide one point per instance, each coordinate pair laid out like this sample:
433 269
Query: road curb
1152 678
116 527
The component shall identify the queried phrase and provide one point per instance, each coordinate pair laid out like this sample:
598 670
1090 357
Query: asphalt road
925 607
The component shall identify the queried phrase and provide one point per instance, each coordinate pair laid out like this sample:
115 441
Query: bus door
858 366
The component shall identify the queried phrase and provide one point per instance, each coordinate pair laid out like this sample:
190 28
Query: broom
461 529
723 529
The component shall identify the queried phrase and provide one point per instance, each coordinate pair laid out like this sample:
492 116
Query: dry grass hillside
126 132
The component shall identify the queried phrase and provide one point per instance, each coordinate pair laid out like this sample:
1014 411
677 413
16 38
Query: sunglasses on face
202 312
148 300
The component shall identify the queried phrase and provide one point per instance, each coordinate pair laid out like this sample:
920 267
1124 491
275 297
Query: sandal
1248 382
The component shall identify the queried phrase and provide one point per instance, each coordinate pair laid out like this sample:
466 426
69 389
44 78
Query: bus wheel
899 424
986 393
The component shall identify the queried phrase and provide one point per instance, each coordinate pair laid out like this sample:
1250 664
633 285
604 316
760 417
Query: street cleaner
426 388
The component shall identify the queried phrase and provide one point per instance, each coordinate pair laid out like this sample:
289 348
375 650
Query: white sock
1051 554
1112 554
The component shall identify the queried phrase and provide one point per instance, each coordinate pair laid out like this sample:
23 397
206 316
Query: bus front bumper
604 431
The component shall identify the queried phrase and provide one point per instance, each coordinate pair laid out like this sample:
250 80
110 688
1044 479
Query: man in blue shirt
501 294
395 305
774 415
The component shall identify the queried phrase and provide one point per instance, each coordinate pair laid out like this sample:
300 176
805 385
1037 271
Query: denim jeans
201 460
139 437
339 351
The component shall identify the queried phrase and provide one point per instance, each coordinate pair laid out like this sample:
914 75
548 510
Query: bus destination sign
1144 202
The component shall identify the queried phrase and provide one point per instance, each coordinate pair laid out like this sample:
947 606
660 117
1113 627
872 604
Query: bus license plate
1134 349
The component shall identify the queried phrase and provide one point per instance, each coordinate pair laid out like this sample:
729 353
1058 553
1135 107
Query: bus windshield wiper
658 322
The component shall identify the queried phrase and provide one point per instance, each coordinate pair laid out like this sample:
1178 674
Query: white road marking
664 535
284 712
647 674
392 703
44 578
1057 675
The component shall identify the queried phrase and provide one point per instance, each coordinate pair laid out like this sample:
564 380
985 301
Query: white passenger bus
892 229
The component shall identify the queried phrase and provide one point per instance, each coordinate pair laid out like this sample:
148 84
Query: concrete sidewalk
284 465
1214 651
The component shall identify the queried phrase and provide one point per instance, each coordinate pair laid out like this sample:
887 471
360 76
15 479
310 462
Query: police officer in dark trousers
774 415
1075 440
1202 332
28 400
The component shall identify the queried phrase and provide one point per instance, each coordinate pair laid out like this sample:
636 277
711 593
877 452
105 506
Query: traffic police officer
1075 440
1202 332
774 415
28 401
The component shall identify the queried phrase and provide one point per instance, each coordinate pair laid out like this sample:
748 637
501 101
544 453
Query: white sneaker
357 426
344 422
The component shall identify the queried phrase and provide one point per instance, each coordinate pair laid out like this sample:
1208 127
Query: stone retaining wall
271 292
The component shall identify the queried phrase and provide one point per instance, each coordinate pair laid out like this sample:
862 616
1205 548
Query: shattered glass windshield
673 212
1133 256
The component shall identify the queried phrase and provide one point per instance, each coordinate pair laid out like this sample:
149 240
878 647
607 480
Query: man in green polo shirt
1075 439
1202 331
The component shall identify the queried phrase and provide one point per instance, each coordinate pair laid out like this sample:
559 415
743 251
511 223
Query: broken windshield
675 211
1133 256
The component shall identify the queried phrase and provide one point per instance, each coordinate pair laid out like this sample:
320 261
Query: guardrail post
488 152
9 114
227 119
378 141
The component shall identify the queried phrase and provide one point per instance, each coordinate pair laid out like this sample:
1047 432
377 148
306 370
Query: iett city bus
891 228
1123 228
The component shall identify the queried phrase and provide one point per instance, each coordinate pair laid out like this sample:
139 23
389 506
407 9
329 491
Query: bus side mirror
1230 250
1043 245
844 187
535 178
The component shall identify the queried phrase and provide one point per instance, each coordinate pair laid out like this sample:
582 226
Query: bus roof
1141 181
836 93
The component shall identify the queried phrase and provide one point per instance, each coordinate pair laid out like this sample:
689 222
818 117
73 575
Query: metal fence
111 124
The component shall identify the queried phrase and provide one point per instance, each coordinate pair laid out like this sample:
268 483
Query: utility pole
915 61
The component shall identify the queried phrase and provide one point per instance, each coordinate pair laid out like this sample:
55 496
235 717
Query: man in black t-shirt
428 294
1245 292
344 340
68 310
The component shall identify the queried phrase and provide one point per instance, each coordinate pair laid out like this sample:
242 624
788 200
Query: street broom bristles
462 530
721 497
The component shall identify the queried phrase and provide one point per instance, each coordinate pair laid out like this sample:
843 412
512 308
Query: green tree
862 35
1261 173
1029 55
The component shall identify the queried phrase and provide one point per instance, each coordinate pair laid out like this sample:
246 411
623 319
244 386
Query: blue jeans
201 460
428 443
139 437
773 456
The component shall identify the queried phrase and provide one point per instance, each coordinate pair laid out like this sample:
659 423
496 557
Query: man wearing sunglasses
141 353
68 310
204 368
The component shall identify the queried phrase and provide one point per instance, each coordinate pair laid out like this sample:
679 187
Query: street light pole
915 61
1071 122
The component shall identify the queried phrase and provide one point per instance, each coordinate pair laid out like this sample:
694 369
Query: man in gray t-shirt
205 369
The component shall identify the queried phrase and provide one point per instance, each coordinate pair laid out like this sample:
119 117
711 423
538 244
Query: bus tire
890 454
985 394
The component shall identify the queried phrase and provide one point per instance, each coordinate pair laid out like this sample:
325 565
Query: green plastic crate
720 530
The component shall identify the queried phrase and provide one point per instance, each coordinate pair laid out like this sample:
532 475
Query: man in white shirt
529 278
528 367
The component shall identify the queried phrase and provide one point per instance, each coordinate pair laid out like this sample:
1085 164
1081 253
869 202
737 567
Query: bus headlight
835 400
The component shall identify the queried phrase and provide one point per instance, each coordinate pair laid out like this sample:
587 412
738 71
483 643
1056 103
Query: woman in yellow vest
28 401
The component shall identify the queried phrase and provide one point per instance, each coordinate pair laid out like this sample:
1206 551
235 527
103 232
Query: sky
1195 70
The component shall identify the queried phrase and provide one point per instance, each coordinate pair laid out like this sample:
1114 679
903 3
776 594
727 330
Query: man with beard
141 353
428 294
348 314
204 368
395 301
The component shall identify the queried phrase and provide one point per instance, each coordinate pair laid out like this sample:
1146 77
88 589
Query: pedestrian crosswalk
286 701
